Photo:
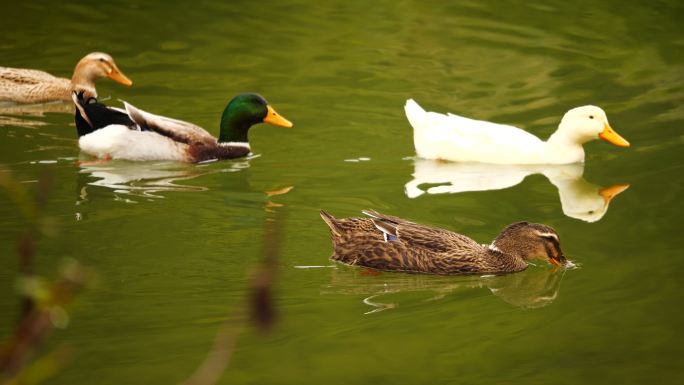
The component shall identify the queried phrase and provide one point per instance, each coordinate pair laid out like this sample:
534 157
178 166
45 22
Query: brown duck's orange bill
613 137
554 262
272 117
609 193
119 77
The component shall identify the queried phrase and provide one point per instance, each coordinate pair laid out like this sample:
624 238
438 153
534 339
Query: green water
175 247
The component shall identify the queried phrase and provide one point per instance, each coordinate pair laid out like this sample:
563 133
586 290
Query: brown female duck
388 243
32 86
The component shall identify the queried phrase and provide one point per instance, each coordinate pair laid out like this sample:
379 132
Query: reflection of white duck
455 138
579 198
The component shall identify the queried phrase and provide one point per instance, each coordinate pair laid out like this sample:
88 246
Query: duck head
244 111
530 241
94 66
586 123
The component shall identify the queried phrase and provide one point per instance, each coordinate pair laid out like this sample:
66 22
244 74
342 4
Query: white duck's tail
414 113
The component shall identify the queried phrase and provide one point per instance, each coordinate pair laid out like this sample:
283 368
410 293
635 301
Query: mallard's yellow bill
613 137
272 117
609 193
119 77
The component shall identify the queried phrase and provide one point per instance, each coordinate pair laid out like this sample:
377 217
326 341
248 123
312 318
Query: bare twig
259 306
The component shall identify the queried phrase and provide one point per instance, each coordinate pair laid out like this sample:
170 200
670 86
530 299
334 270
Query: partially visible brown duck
32 86
388 243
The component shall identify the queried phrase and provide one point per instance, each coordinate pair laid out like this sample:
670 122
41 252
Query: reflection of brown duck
532 288
389 243
32 86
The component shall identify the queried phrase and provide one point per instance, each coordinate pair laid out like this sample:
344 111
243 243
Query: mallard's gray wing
177 130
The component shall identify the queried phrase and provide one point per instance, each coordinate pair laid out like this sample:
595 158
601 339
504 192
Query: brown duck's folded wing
177 130
435 239
432 238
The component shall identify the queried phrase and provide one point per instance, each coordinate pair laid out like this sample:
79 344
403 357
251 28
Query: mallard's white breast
120 142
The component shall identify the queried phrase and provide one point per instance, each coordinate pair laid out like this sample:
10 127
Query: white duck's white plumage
455 138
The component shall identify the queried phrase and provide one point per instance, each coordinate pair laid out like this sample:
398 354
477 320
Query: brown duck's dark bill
272 117
558 261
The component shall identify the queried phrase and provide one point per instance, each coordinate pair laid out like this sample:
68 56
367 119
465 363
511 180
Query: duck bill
609 193
118 76
273 118
613 137
558 260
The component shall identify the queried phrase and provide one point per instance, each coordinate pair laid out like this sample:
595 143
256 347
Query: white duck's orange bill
613 137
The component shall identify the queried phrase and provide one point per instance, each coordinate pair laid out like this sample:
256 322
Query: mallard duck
133 134
388 243
455 138
32 86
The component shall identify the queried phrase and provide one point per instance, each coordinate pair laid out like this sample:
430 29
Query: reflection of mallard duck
32 86
579 198
140 179
389 243
133 134
130 180
455 138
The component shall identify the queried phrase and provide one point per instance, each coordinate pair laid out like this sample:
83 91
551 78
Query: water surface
176 247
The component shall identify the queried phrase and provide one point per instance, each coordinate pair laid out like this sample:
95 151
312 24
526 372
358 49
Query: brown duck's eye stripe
553 238
548 235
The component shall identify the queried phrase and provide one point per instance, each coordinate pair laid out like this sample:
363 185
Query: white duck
455 138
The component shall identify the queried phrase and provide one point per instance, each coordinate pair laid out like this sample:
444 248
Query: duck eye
591 116
102 60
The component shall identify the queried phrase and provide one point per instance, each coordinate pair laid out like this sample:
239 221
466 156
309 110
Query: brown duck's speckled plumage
22 85
32 86
411 247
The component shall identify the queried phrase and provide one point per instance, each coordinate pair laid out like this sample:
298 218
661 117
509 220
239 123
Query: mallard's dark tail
83 124
92 115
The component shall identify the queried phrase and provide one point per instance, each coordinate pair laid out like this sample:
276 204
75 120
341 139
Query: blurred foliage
44 302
